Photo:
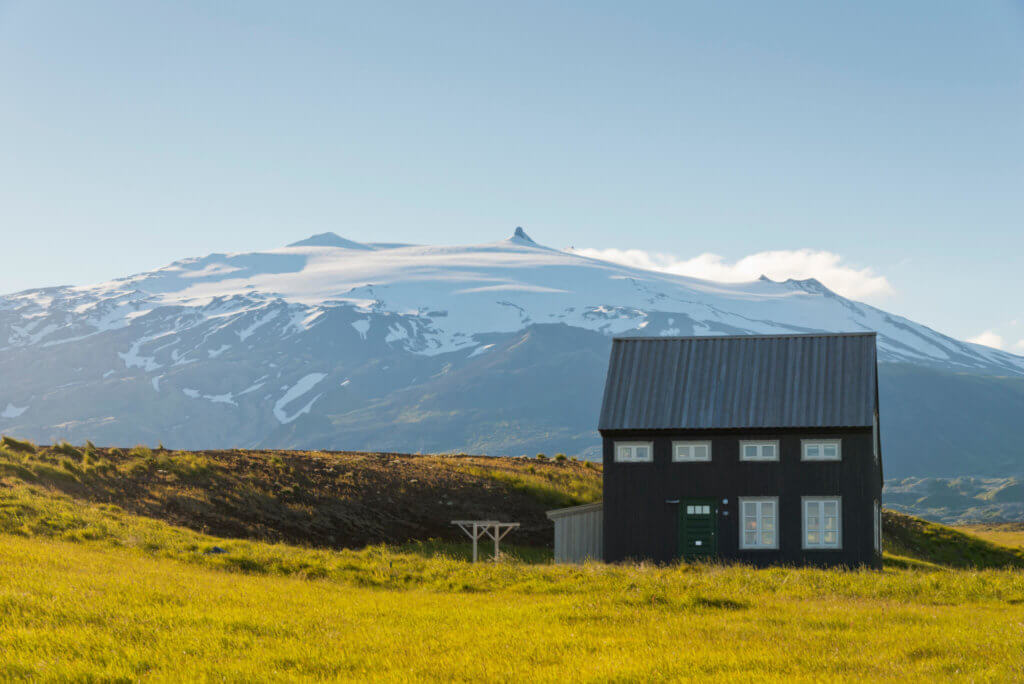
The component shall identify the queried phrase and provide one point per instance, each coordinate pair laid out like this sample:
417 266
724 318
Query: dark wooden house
762 449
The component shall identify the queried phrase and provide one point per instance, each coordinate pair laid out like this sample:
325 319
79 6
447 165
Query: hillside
327 499
351 500
497 348
92 592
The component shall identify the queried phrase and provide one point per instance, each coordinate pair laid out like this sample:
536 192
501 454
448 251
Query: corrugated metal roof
817 380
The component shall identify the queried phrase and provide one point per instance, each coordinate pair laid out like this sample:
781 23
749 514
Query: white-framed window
821 449
759 451
759 518
700 509
691 451
634 452
878 527
823 522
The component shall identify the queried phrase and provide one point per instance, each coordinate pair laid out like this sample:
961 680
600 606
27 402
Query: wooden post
475 537
496 538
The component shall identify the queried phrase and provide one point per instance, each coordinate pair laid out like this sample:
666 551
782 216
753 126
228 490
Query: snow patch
132 359
191 393
362 327
259 322
304 385
156 382
214 353
481 350
13 411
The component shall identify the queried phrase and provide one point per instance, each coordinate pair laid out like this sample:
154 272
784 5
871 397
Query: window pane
767 523
749 508
812 522
689 510
812 451
831 507
831 523
830 537
768 538
830 451
682 452
749 538
750 523
641 453
700 453
812 537
706 510
768 451
768 508
750 451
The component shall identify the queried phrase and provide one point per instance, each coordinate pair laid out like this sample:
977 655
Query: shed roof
742 381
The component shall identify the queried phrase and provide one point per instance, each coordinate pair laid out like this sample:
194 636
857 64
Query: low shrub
19 445
67 450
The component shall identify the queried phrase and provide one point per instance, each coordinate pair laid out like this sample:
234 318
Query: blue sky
877 145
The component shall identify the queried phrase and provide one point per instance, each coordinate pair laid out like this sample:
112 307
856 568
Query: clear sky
878 145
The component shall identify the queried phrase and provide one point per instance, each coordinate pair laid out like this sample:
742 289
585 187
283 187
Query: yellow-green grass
1006 534
89 592
552 487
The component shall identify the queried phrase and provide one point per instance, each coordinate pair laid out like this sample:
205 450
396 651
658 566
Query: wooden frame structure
476 529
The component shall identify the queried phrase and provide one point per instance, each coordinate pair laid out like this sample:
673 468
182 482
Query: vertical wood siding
579 534
641 523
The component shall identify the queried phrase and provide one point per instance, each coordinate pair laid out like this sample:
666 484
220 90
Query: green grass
552 486
914 539
89 592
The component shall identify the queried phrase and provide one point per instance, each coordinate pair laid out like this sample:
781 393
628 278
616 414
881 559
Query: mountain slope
499 348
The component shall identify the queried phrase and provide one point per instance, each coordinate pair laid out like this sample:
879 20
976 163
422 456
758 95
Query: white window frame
689 446
759 501
819 502
878 526
631 446
760 444
821 444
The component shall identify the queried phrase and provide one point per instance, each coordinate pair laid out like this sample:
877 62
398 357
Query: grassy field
1005 534
91 592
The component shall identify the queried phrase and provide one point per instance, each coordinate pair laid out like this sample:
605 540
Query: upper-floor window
634 452
822 449
759 451
691 451
823 523
758 518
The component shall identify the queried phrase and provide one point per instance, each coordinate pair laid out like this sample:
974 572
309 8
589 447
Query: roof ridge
652 338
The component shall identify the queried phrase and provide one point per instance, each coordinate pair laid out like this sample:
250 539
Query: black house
763 449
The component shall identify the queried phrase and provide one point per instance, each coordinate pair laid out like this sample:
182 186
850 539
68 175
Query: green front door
698 528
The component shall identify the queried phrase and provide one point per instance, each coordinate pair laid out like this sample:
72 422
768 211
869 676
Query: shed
578 533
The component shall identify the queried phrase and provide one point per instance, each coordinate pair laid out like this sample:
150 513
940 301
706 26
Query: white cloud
1019 345
990 339
778 265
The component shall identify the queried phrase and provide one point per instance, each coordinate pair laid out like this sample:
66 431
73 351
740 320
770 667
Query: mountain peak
521 236
329 240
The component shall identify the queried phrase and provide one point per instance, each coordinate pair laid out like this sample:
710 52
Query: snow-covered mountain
337 344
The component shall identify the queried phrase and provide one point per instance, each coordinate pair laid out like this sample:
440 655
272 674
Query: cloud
1019 345
800 264
990 339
